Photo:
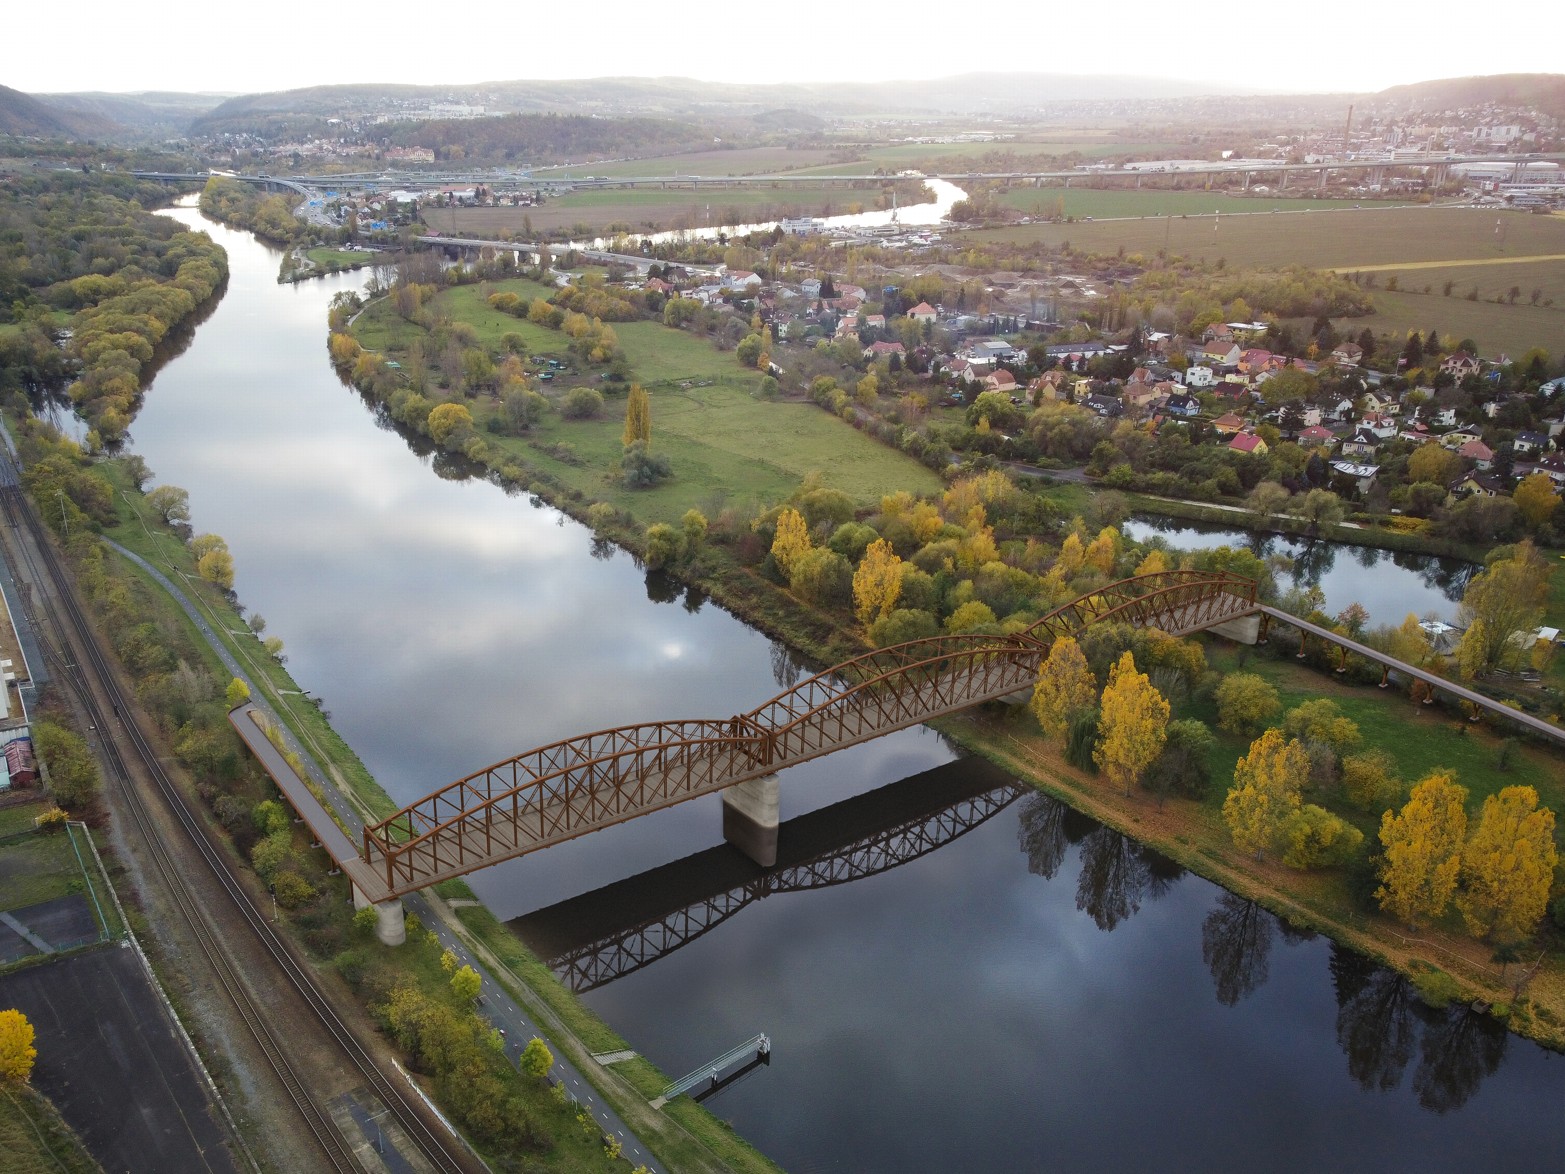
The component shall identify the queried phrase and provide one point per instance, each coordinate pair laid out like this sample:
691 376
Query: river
955 975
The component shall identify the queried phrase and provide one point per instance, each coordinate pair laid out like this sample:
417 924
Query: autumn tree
1534 497
1155 563
465 984
17 1052
877 582
1409 643
74 778
447 421
217 568
638 416
1065 688
1320 720
1508 597
1132 724
1245 702
1423 846
536 1058
237 693
1434 464
171 502
1370 780
1507 866
791 541
1265 791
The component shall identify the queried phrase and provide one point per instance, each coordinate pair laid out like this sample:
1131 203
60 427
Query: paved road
498 1007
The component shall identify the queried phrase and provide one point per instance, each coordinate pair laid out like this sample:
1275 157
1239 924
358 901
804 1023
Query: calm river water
955 975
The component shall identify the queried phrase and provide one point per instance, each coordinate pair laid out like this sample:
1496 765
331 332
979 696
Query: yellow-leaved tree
877 583
1072 554
1103 550
17 1052
1507 866
792 541
638 416
1423 849
1065 688
1265 792
1155 563
1132 724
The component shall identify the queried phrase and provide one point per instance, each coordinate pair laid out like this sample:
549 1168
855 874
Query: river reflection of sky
1389 584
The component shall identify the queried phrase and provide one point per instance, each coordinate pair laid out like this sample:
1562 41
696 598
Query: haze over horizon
1334 46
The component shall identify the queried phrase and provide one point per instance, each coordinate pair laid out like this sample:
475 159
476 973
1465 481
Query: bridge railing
576 785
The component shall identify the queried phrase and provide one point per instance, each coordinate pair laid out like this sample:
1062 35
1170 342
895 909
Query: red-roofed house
1247 442
923 312
1460 364
1478 452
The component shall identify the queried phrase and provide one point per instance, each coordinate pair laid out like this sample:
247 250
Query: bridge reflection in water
621 928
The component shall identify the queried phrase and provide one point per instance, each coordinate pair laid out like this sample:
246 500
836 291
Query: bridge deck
1532 724
246 720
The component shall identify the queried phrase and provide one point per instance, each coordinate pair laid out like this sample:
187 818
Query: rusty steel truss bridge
569 788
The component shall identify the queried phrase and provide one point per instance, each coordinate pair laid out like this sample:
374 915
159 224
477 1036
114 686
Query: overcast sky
1325 46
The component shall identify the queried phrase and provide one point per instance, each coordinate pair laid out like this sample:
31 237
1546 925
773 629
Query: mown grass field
1122 201
1420 739
725 445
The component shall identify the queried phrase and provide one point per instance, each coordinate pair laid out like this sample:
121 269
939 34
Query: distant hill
149 115
1546 91
687 98
22 114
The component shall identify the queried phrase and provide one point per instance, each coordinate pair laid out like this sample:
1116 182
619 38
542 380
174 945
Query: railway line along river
955 972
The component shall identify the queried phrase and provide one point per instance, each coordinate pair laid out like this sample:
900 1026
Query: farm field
1104 203
1497 329
750 161
664 208
1321 239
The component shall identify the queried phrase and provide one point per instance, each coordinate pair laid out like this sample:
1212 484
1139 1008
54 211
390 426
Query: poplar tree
638 417
1265 792
17 1052
1507 866
1065 688
1423 850
877 583
1132 725
792 541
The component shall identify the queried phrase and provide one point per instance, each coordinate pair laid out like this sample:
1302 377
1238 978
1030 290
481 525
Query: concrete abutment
750 818
391 924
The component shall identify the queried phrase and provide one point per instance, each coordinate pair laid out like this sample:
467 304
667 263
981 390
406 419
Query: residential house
1186 407
1380 424
1347 354
923 312
1460 364
1220 354
1105 405
810 287
1315 436
1200 377
1529 442
1382 402
1218 332
874 321
881 350
1460 436
1228 424
1443 418
999 380
1475 483
1256 361
1362 476
1247 442
1478 452
1139 395
741 279
1362 444
1049 385
1552 388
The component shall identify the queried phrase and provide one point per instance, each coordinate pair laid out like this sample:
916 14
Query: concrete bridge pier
750 818
391 929
1241 630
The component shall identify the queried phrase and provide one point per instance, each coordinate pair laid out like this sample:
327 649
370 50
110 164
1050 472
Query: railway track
442 1152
